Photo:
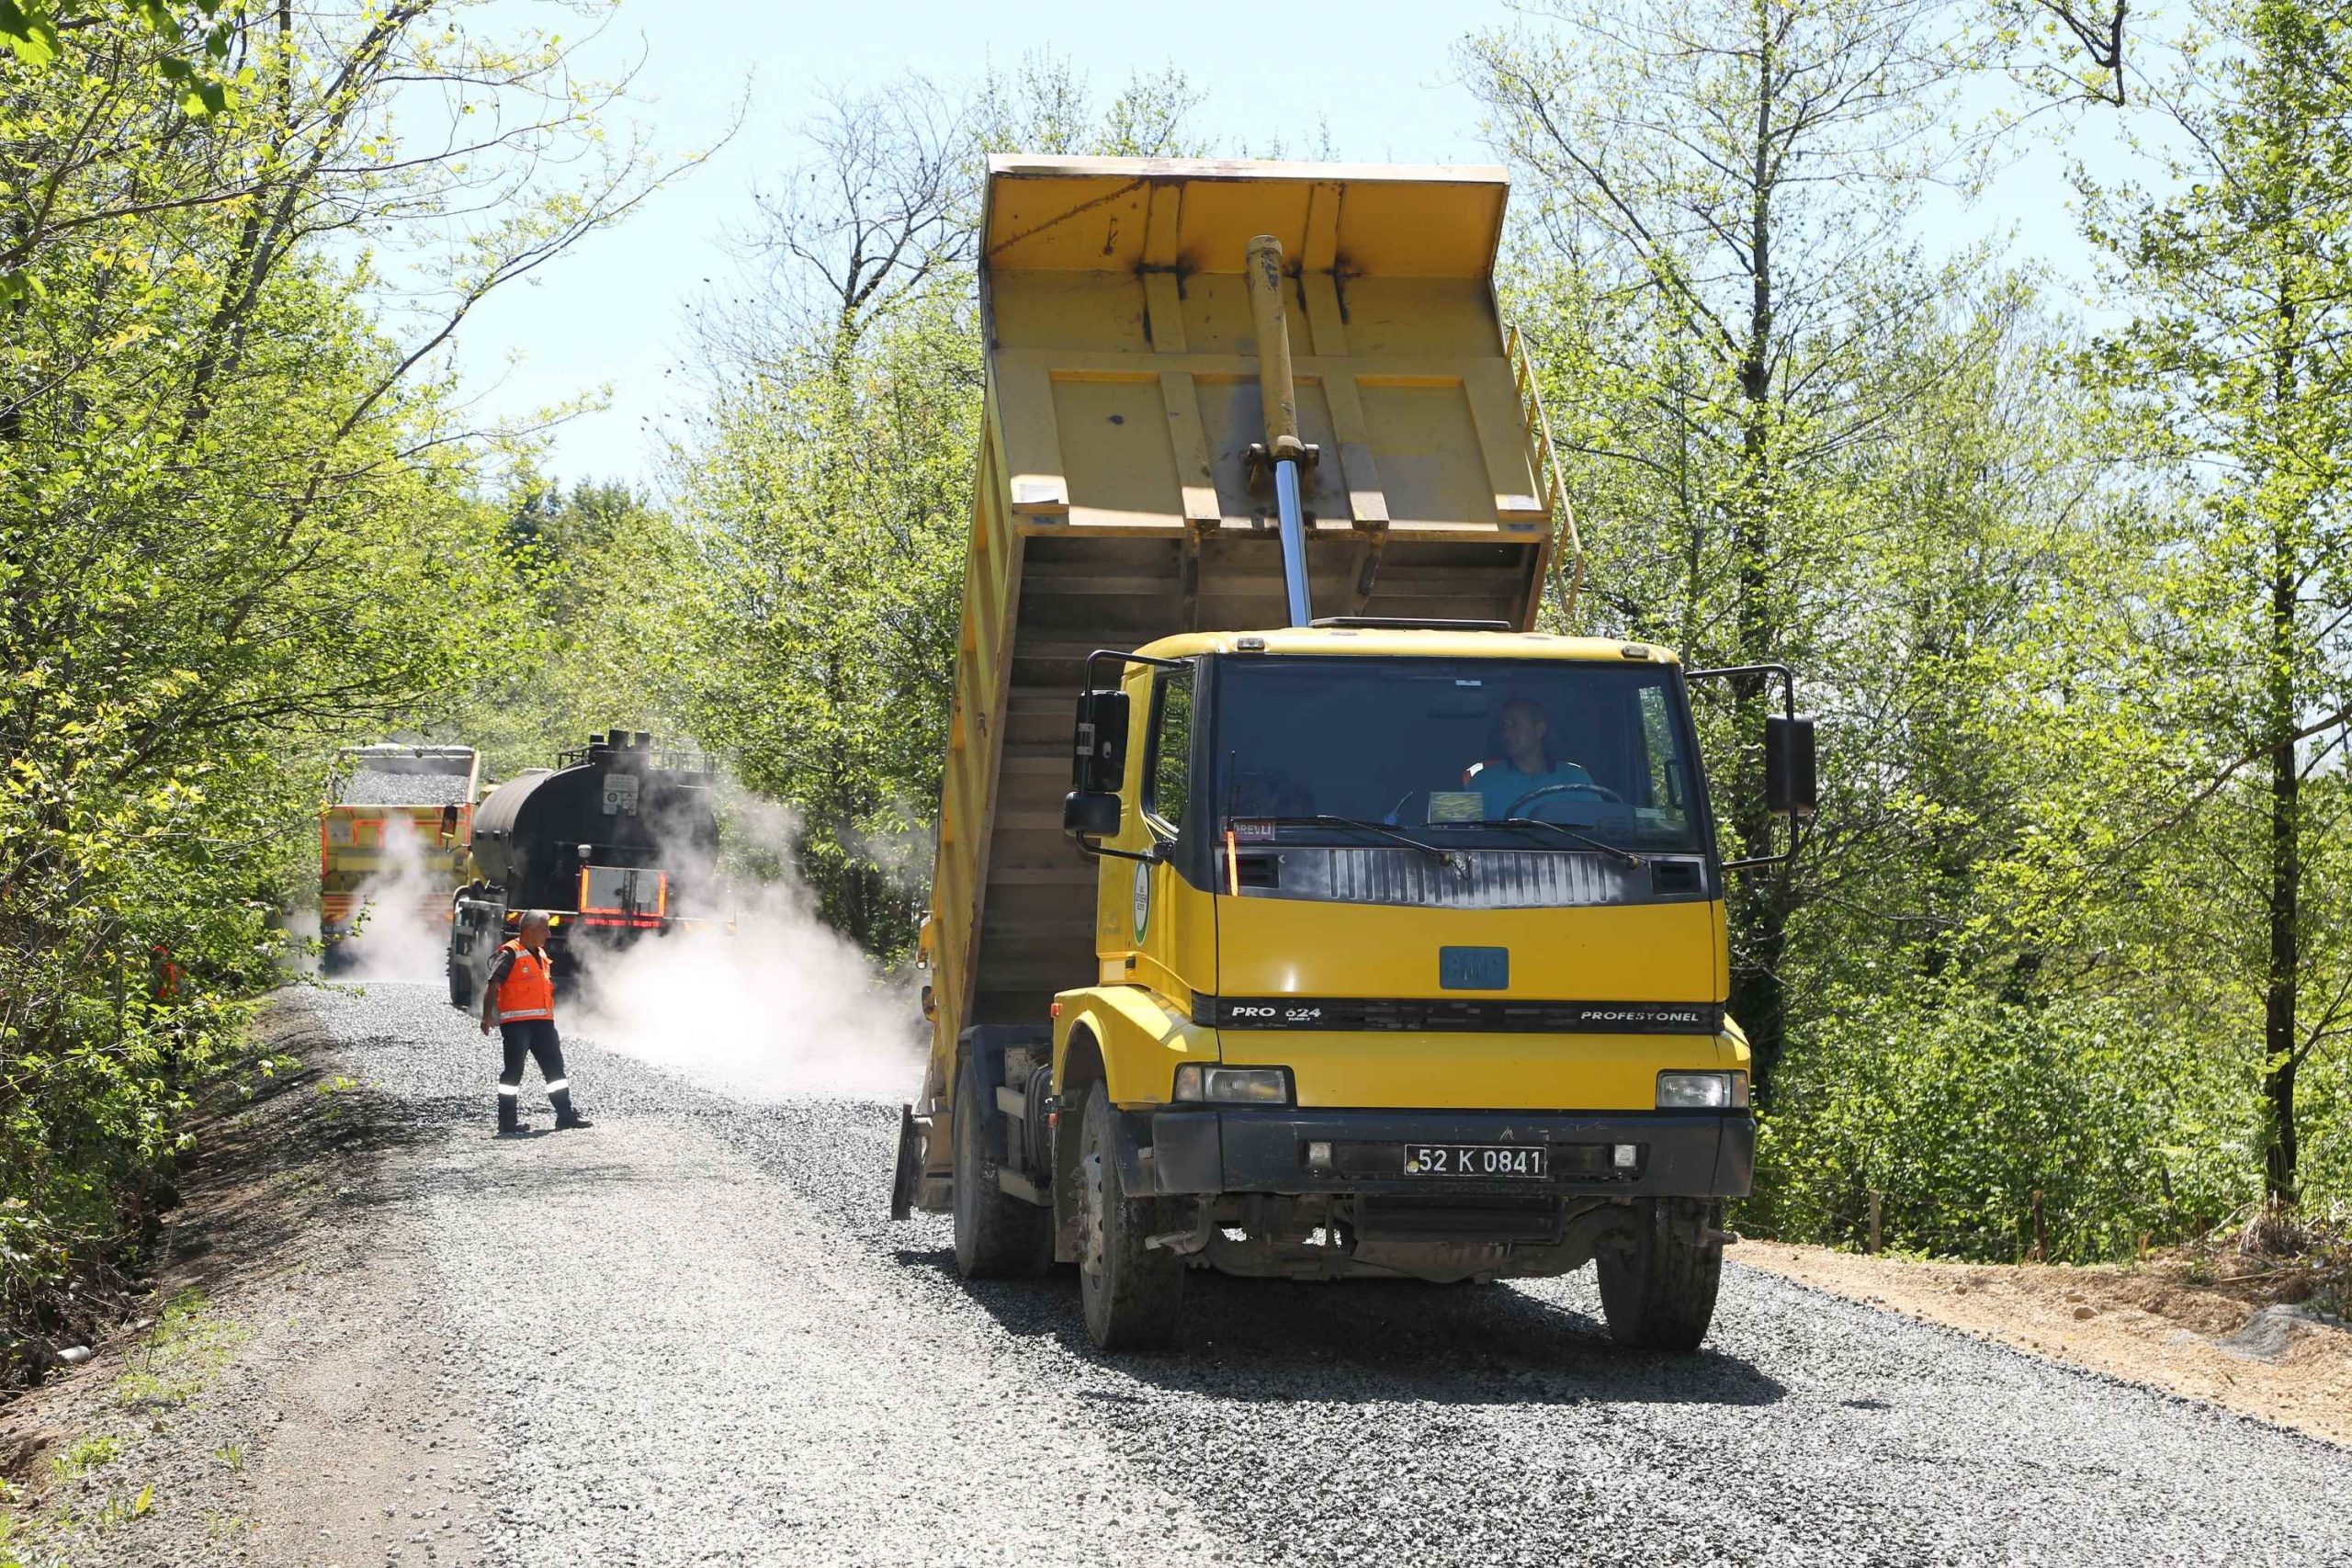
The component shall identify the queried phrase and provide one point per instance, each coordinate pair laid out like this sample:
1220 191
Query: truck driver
1525 766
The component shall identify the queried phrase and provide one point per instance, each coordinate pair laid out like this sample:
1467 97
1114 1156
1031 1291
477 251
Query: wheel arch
1081 1065
1130 1039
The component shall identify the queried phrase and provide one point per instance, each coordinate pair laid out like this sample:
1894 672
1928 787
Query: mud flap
905 1181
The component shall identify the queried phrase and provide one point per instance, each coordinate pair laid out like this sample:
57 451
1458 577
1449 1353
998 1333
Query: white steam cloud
302 940
772 1005
402 929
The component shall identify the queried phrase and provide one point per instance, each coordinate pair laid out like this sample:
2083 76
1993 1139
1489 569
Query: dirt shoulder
2144 1322
283 1399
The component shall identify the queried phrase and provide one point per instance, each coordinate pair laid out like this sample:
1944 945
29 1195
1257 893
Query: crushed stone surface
372 788
2289 1365
690 1335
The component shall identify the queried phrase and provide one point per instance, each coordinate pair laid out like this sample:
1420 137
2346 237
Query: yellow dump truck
1356 927
394 841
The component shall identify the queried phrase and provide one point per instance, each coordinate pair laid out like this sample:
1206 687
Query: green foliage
828 510
2232 376
82 1457
187 1346
1730 332
237 529
591 639
1964 1113
826 493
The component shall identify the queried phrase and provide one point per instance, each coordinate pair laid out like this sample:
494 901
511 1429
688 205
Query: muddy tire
1131 1294
1657 1289
997 1236
461 984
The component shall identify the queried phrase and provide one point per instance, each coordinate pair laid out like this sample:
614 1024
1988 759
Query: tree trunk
2283 911
1760 914
2286 886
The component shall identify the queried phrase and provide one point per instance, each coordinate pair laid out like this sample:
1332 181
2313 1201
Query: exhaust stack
1284 452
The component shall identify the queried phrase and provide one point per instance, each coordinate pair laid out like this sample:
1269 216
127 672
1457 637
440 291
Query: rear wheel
996 1234
1132 1293
461 982
1658 1286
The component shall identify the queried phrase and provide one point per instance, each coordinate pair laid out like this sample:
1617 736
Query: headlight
1702 1091
1233 1086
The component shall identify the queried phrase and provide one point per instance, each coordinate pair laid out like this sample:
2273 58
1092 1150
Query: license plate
1479 1161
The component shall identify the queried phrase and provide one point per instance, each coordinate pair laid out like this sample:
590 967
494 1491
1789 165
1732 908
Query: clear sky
1379 74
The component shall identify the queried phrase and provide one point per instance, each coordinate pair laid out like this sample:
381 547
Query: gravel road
689 1335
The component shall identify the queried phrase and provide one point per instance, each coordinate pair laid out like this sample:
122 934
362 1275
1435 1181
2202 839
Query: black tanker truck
619 840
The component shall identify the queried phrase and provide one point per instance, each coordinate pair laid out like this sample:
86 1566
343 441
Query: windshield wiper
1325 819
1628 856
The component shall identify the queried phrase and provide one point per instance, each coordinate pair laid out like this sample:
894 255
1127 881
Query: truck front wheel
997 1236
1132 1293
1657 1285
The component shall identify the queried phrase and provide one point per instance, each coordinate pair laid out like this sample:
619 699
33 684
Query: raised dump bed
1115 502
398 822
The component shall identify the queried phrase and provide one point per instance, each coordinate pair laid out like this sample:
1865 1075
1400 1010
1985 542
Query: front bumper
1216 1150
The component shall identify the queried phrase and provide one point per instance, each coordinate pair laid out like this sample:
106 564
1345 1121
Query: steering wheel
1602 791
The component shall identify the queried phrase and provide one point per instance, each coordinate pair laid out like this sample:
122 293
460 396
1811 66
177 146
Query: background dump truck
1379 935
393 837
618 841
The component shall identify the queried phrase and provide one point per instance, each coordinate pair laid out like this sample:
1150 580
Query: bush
138 932
1958 1110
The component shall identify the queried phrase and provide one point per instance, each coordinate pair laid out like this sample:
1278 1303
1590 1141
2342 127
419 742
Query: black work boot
565 1116
510 1119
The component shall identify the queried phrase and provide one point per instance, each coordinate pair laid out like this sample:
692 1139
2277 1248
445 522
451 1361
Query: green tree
239 525
826 487
596 634
2234 371
1720 195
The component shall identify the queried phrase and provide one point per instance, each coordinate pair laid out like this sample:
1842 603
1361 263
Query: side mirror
1099 758
1791 780
1090 814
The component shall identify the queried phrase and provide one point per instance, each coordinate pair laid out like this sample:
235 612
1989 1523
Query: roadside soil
283 1397
2146 1323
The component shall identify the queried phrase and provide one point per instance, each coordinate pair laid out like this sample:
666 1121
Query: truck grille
1466 879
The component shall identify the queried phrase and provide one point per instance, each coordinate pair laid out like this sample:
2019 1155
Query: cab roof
1417 642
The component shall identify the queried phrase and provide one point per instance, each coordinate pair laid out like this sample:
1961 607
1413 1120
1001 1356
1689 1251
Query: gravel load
374 788
690 1335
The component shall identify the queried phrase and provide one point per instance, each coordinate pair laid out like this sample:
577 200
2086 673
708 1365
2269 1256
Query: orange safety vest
528 990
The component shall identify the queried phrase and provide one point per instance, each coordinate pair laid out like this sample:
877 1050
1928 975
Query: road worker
520 999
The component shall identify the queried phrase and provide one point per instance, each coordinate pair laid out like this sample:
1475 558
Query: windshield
1453 751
